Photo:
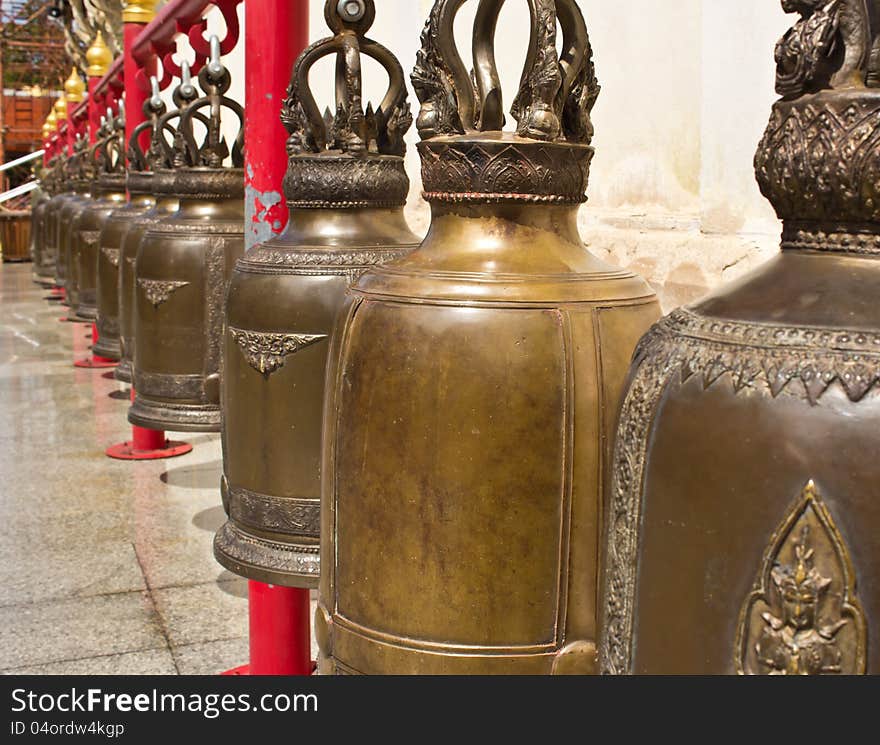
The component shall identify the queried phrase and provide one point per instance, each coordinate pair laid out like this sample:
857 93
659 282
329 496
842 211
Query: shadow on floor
202 476
227 583
210 520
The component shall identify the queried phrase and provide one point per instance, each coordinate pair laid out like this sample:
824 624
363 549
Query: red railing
187 18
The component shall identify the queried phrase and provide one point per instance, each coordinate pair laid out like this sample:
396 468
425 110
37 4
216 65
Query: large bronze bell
43 261
150 178
113 234
80 177
183 268
62 192
473 385
346 187
85 187
109 195
744 525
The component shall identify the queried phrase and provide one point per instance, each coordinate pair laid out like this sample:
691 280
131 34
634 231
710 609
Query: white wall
686 92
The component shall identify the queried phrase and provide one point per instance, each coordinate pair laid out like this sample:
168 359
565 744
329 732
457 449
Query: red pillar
94 110
145 444
276 32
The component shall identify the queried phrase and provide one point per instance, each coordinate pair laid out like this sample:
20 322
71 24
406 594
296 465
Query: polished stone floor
105 566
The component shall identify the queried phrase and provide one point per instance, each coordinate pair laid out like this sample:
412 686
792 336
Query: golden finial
51 121
98 57
139 11
60 108
74 88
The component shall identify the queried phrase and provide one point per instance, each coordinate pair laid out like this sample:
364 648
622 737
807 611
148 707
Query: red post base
96 362
129 451
147 444
280 641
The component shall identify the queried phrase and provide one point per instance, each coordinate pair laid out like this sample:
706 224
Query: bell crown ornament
111 152
819 158
213 151
466 155
165 137
110 148
352 157
154 109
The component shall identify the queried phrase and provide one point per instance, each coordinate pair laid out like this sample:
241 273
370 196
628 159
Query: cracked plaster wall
687 87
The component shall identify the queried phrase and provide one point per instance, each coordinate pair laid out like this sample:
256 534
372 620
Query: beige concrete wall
686 92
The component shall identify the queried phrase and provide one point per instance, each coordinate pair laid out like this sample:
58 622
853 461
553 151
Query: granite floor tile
77 629
81 571
203 613
149 662
211 658
84 539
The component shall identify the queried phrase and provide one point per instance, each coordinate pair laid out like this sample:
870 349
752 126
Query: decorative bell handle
215 80
154 107
309 130
557 88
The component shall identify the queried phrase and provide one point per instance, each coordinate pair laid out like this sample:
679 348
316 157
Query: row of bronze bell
449 438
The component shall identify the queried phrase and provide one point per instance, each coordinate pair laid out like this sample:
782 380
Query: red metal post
95 110
276 32
279 630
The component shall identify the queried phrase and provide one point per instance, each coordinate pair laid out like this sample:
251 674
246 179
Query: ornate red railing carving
187 18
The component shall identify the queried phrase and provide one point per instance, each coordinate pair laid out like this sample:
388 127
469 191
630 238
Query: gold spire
74 88
51 121
60 108
138 11
99 57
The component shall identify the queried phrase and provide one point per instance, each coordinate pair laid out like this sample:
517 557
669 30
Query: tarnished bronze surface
159 187
68 228
346 186
744 528
62 192
182 271
43 261
78 183
109 195
110 267
111 257
150 178
473 385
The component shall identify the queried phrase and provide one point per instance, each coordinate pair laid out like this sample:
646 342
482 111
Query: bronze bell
183 267
473 385
43 261
64 192
116 227
743 522
80 179
109 195
150 178
346 187
61 191
70 236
